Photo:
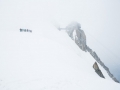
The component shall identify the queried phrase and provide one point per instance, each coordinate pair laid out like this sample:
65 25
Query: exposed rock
95 56
115 79
71 27
80 40
80 37
97 70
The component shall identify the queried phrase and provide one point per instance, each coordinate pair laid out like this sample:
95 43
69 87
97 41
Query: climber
22 30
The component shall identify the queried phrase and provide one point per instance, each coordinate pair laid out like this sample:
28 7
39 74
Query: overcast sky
100 20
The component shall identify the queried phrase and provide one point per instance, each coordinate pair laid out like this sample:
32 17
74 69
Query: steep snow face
47 59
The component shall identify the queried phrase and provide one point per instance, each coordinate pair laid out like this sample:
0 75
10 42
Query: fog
98 18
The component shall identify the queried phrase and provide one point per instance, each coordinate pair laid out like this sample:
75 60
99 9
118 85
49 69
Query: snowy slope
47 59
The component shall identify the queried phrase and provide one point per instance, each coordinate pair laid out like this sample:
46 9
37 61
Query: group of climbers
25 30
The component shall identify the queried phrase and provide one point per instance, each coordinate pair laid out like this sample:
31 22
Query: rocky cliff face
95 56
80 40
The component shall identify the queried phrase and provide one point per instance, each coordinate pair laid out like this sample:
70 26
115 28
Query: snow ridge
77 34
47 59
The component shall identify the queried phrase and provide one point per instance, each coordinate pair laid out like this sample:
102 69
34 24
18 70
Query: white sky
99 19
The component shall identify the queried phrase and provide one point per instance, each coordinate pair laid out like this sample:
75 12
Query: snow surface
47 59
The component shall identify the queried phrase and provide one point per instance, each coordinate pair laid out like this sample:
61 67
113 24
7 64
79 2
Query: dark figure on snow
25 30
21 30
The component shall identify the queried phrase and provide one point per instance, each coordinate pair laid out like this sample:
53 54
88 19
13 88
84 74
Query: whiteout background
99 19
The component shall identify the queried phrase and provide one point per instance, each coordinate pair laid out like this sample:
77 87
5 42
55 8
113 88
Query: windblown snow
47 59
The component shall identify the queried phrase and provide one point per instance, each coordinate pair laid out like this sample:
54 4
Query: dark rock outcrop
97 70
